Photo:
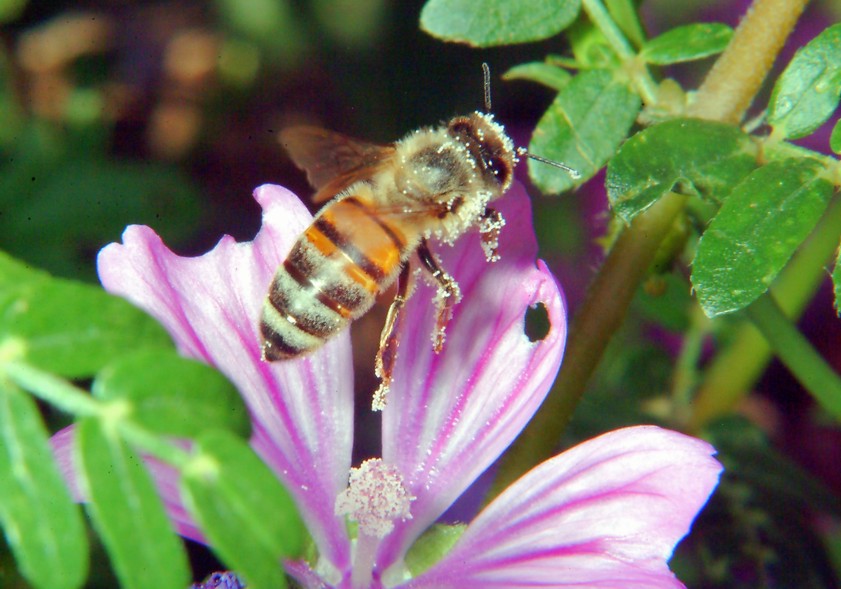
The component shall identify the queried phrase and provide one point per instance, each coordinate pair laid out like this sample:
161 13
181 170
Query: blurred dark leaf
56 212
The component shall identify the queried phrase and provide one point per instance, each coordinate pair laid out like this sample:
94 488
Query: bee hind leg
389 340
446 298
490 224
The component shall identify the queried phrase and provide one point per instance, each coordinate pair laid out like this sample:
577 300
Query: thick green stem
797 353
591 330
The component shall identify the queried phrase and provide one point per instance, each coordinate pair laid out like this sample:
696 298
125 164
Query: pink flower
606 513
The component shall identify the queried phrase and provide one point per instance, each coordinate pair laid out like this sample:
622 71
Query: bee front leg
389 340
446 298
490 224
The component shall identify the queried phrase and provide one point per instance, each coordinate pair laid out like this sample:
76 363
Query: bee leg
490 224
389 340
448 294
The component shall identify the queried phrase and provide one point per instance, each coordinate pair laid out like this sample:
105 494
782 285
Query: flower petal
450 415
303 409
606 513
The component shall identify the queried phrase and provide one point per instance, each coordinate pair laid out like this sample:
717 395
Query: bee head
489 146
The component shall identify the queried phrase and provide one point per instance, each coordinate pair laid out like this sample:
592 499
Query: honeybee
385 203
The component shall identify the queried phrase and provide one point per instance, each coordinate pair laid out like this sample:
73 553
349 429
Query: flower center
375 498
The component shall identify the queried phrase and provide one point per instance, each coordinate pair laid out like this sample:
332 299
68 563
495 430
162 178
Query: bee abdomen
328 280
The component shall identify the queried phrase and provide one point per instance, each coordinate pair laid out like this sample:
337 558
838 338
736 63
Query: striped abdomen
332 276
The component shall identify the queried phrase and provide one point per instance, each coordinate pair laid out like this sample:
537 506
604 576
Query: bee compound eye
499 168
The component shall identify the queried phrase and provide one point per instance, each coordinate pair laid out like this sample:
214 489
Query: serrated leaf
835 138
69 328
695 156
250 519
807 92
172 395
497 22
756 231
687 43
543 73
127 512
43 526
582 129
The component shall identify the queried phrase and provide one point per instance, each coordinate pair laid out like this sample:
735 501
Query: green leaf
687 43
756 231
249 518
43 526
172 395
497 22
694 156
543 73
626 16
436 542
835 138
582 128
65 209
806 94
127 512
69 328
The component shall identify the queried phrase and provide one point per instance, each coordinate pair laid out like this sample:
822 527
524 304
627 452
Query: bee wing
331 160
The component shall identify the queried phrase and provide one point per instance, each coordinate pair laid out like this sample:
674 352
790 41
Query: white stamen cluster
375 498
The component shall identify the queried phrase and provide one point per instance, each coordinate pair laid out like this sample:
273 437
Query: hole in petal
537 324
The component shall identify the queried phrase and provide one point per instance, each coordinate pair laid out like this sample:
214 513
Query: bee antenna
486 78
574 174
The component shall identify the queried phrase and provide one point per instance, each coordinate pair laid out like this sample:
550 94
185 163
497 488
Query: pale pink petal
606 513
302 410
450 415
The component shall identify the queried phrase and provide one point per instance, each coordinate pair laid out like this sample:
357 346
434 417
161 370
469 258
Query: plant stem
797 353
600 315
644 84
738 73
732 373
52 389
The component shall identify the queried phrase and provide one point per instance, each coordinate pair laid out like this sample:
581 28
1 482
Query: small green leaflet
807 92
582 128
756 231
543 73
688 155
43 526
497 22
687 43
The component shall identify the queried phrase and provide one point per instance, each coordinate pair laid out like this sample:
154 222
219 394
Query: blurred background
166 113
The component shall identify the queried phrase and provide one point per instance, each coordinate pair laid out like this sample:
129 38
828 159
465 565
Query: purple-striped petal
606 513
302 410
450 415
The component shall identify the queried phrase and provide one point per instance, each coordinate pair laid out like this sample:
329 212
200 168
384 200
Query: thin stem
601 18
686 375
52 389
795 351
